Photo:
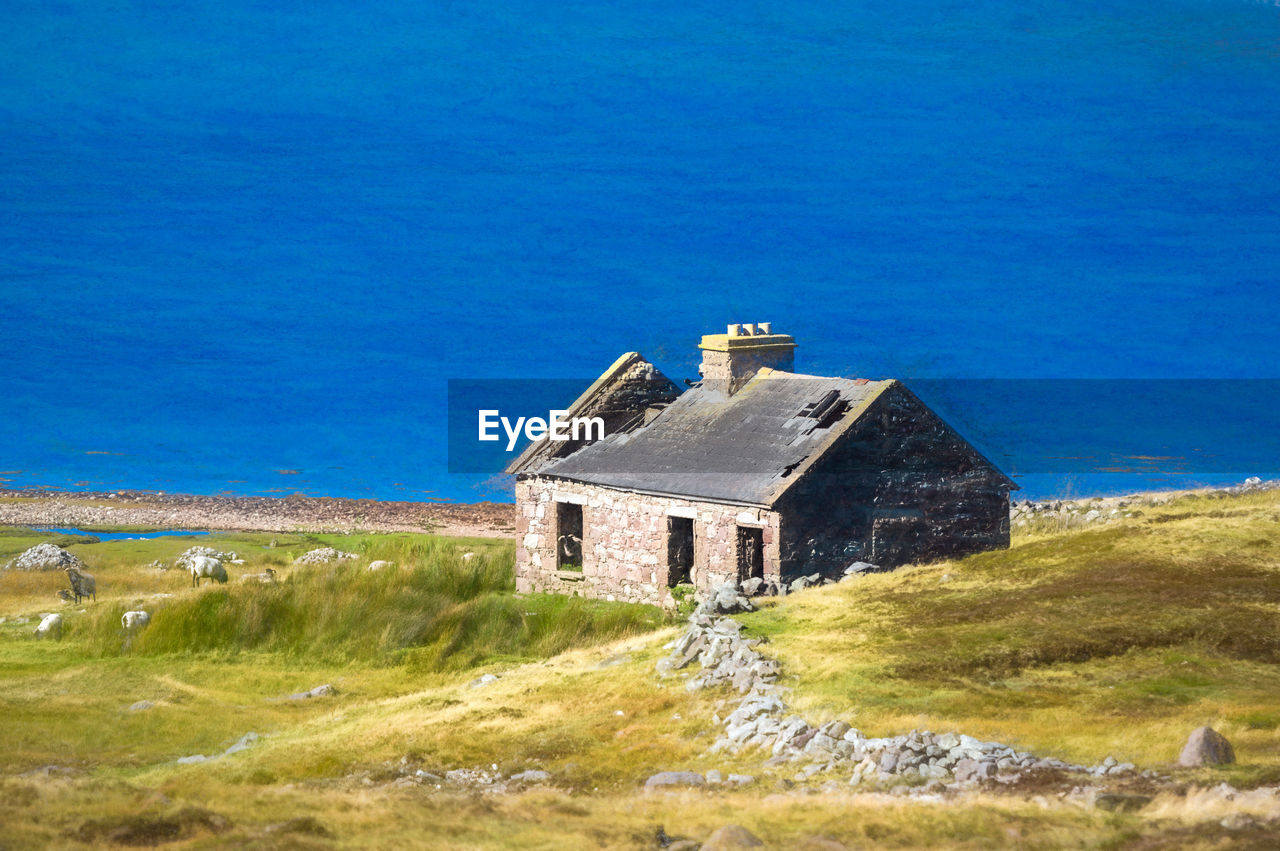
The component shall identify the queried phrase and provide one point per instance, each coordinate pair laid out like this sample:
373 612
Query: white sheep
135 620
379 565
204 567
267 578
50 627
468 556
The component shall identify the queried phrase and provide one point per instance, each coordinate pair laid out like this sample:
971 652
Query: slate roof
741 448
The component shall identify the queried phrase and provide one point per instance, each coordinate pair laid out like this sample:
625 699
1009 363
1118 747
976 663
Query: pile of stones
1068 514
44 557
1253 484
324 555
759 722
184 561
756 587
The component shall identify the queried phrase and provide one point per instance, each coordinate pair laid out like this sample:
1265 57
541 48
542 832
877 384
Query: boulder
860 567
669 779
533 775
731 837
1206 746
810 581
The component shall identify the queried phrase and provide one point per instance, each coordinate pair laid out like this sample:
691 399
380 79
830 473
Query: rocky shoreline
145 509
158 510
1058 515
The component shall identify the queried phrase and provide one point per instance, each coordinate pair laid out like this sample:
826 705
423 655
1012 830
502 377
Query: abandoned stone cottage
755 470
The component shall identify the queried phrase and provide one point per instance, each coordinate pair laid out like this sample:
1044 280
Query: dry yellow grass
1004 650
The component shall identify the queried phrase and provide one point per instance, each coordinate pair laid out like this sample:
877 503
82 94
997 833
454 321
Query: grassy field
1113 640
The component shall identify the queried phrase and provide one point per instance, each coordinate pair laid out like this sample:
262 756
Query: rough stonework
754 473
624 541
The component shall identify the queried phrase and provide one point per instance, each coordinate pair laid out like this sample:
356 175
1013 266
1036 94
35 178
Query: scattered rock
246 741
731 837
50 627
804 582
482 681
1206 746
325 690
44 557
141 706
530 777
858 568
324 555
668 779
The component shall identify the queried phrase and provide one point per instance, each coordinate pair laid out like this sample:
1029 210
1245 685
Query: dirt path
253 513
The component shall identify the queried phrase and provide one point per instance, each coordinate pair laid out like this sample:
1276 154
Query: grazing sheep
379 565
135 620
50 627
267 578
82 584
468 556
204 567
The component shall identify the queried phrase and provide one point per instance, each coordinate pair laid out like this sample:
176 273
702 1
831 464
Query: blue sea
244 246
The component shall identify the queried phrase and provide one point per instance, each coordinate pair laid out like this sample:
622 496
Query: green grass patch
435 611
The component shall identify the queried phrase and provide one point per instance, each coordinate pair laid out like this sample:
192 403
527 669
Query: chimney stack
729 360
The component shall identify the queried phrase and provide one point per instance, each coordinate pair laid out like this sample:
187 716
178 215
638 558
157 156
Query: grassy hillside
1113 640
1118 639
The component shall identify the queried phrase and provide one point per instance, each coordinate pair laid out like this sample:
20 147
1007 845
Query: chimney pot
764 327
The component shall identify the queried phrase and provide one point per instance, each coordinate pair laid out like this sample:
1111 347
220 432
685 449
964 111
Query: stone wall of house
624 541
900 487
